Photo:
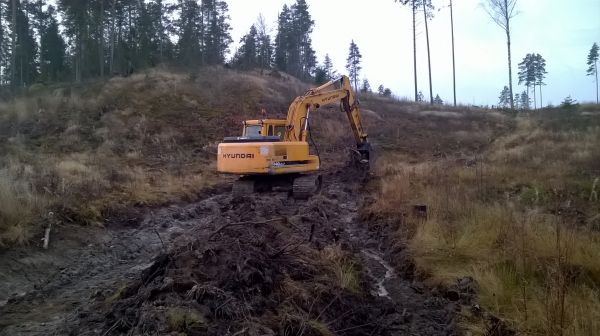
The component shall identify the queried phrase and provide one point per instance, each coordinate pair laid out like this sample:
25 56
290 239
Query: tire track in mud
214 278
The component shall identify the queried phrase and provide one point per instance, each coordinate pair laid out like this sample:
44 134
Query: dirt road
258 265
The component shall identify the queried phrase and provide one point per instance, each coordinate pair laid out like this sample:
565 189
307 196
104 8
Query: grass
520 217
86 151
345 271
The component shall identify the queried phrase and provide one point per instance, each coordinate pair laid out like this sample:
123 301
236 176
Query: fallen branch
47 236
223 227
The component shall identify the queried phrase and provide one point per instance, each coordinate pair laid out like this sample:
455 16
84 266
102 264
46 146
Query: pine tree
24 50
592 62
366 87
5 50
527 72
427 14
539 73
415 6
438 100
387 92
420 97
453 55
517 101
381 90
353 64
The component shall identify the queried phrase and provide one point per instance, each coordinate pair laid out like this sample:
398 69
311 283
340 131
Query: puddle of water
389 273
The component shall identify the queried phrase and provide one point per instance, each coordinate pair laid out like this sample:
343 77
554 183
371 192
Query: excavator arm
298 117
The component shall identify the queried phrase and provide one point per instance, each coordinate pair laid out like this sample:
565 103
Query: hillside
471 215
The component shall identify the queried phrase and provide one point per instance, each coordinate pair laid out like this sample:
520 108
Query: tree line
96 38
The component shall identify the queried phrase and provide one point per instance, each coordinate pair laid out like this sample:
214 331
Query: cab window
279 131
270 133
252 130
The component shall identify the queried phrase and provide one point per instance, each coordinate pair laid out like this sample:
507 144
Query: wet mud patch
261 264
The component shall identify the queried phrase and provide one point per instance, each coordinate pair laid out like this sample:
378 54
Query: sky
561 31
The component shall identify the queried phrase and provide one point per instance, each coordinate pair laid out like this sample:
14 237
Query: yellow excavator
274 154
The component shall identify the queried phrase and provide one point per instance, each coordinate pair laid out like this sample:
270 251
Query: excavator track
306 186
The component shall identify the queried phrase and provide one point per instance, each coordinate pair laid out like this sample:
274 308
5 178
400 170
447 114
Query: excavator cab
264 127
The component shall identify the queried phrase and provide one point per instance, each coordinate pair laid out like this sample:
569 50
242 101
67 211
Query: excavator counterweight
275 153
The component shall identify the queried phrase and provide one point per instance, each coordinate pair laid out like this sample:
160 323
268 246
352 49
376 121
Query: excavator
274 154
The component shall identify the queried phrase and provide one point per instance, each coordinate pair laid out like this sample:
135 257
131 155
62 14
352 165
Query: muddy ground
263 264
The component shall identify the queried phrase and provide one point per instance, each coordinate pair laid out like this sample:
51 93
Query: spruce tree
216 37
188 28
328 66
281 40
366 87
247 55
504 100
353 64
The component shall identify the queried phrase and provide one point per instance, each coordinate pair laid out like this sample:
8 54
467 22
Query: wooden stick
47 236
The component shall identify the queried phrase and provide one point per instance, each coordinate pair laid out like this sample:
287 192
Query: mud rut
224 266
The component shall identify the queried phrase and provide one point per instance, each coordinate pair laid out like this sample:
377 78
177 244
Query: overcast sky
561 31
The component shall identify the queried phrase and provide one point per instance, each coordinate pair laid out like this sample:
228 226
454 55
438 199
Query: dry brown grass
520 217
84 152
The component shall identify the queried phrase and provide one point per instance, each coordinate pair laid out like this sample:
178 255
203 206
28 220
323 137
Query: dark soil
262 264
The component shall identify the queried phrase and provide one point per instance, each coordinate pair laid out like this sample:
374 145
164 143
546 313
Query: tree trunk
2 47
429 53
596 66
414 8
162 30
101 37
453 59
534 98
13 67
111 66
541 97
510 84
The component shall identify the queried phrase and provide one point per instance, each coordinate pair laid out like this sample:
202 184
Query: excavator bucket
361 160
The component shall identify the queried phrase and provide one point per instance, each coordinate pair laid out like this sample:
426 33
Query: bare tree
111 65
502 11
426 16
414 4
13 63
453 59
